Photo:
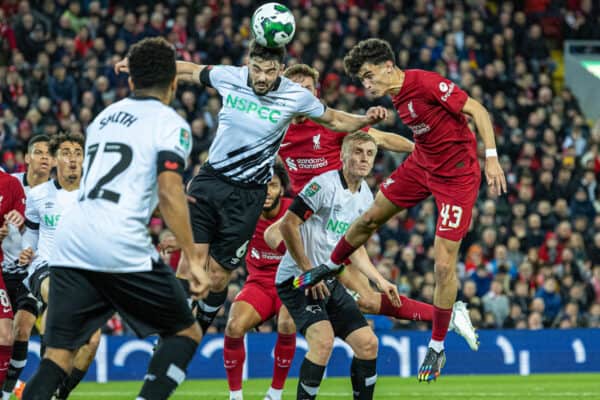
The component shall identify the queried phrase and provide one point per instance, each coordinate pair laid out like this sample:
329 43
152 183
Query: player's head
264 67
276 187
152 68
358 154
67 149
307 77
372 62
38 157
304 75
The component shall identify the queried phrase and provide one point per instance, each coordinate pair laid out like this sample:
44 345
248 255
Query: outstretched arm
392 141
493 171
186 71
189 72
340 121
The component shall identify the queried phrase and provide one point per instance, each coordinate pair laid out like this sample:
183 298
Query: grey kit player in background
103 260
311 227
230 190
46 205
39 162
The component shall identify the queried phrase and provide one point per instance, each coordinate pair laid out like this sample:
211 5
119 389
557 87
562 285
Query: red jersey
261 260
308 150
431 106
12 197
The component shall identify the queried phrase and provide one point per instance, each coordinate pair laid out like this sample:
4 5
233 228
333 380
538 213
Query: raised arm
186 71
391 141
341 121
493 171
189 72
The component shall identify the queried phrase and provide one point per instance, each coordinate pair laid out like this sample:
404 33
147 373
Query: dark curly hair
266 53
374 51
152 63
279 170
60 138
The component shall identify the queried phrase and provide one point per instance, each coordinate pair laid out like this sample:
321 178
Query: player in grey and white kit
39 161
230 190
313 224
103 258
46 206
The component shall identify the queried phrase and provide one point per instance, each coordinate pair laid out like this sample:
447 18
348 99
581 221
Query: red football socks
441 321
234 355
284 354
410 309
5 354
342 251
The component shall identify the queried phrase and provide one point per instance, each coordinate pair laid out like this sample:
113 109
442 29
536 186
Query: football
273 25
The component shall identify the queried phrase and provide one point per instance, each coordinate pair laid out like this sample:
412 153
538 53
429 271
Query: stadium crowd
531 259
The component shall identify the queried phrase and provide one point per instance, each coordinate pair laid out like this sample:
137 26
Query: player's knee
219 277
321 348
368 304
22 331
235 328
367 350
286 326
367 222
193 332
6 332
444 272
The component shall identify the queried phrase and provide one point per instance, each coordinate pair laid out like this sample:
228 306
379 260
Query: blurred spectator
496 303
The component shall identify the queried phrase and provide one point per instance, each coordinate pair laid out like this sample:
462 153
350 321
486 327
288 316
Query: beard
273 205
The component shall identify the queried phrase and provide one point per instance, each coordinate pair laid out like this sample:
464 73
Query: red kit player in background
444 164
310 149
12 209
258 300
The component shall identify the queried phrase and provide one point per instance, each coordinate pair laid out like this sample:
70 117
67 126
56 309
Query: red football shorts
455 197
262 297
6 311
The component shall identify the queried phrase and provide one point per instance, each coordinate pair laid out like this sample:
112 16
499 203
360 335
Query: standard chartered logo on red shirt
306 163
265 255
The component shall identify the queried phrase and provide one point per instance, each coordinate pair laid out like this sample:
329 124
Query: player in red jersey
328 157
12 209
258 300
444 164
310 149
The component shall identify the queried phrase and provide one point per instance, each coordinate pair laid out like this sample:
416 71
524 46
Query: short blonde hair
359 136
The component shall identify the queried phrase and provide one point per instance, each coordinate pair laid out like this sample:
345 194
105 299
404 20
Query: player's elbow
273 236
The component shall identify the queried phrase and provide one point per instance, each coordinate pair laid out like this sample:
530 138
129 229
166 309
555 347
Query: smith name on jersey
251 127
127 145
333 207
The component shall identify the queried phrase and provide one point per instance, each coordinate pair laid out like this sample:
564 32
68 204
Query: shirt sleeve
32 225
313 194
32 216
216 76
309 105
18 199
174 147
444 92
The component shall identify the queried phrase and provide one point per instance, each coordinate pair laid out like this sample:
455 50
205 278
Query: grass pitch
488 387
